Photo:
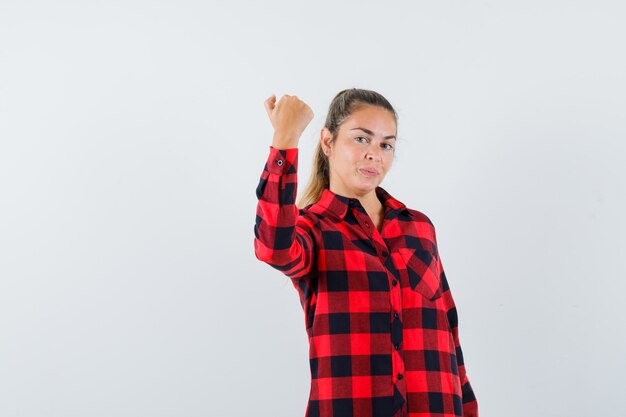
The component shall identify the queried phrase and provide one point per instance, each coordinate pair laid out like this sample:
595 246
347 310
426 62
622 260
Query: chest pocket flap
423 272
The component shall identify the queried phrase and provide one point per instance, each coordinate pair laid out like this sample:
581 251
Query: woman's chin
367 186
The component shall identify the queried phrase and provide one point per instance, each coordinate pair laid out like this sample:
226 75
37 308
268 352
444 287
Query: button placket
397 330
365 224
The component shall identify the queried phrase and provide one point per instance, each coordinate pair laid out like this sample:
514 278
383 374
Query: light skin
365 142
289 117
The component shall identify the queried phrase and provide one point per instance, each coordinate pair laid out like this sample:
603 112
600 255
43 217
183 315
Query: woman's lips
368 172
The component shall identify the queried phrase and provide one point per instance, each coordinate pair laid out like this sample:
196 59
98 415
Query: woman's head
358 136
347 101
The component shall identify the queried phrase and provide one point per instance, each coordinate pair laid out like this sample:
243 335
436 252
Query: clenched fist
289 117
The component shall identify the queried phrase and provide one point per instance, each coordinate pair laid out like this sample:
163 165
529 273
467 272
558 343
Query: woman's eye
387 146
358 139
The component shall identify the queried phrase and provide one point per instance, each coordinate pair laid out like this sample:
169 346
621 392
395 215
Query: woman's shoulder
307 217
423 225
393 203
419 216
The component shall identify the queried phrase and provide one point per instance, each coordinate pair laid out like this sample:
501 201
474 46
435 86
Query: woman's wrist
281 141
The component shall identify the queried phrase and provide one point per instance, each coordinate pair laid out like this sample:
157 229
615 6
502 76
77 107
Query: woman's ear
325 140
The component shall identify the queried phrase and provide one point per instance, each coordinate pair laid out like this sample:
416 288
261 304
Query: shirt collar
338 204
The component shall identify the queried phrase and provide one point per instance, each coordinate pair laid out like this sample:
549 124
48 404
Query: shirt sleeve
282 238
469 402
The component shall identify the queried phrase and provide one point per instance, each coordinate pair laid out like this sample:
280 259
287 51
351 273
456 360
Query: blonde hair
341 107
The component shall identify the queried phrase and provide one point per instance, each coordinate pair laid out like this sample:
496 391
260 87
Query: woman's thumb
269 103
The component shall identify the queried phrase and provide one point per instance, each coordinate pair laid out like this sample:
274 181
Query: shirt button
399 376
352 203
279 162
396 347
396 315
394 282
367 225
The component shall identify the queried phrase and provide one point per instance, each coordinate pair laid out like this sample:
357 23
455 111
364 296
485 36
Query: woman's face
363 151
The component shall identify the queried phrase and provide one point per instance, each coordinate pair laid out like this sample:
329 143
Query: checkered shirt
379 315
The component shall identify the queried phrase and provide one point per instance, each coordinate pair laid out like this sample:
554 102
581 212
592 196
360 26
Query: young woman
379 314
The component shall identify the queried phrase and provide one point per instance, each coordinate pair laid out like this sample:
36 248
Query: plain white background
132 138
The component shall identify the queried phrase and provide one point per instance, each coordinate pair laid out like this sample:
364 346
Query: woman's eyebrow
369 132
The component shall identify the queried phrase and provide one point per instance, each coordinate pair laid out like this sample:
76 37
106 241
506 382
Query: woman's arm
282 238
470 404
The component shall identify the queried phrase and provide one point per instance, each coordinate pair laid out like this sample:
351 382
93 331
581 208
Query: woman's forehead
371 120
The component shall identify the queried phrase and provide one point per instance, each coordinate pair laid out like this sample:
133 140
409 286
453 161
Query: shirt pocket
422 268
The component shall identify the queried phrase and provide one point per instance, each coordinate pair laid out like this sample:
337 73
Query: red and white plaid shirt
379 314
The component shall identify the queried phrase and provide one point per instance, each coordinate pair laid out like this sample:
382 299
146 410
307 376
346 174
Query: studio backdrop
132 139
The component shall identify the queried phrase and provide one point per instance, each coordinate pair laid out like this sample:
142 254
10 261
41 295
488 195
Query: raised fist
289 117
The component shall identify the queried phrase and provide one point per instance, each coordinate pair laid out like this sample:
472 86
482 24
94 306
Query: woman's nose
373 154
